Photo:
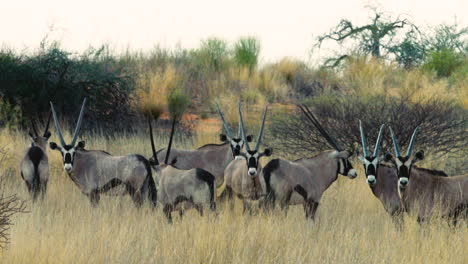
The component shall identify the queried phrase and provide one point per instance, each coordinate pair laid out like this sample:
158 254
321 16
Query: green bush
444 62
246 52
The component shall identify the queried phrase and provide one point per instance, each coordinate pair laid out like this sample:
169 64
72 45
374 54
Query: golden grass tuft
153 90
351 225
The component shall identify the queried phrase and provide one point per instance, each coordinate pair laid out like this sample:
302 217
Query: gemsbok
243 176
96 172
425 192
35 164
211 157
382 179
180 189
304 181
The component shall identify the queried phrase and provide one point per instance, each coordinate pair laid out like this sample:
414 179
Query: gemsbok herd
188 179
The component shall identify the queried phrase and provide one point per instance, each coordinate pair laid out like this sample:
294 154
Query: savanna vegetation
387 71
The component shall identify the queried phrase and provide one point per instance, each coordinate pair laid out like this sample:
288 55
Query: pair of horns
153 148
77 128
46 128
378 143
242 129
411 144
313 120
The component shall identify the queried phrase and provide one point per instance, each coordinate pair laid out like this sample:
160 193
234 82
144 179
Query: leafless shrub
9 206
443 125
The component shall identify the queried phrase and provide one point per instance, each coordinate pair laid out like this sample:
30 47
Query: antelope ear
47 134
419 155
223 137
340 154
81 145
268 151
249 138
53 145
31 135
388 157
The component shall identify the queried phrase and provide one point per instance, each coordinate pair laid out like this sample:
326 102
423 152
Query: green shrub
246 52
444 62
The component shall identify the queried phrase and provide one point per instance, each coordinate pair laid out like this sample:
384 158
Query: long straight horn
226 127
155 156
411 145
34 127
379 141
47 125
319 127
259 139
241 120
57 125
365 149
168 151
78 124
395 143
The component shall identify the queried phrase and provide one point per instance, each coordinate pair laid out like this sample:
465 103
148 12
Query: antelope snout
371 180
68 167
252 172
403 182
352 173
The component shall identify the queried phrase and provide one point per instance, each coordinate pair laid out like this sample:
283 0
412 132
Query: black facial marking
67 158
371 169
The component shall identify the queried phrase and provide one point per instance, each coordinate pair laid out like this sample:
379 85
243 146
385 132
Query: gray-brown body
428 193
302 181
35 168
386 189
96 172
246 187
183 189
213 158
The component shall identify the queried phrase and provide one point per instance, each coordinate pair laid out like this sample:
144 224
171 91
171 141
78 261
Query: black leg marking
459 212
199 208
167 212
310 207
94 197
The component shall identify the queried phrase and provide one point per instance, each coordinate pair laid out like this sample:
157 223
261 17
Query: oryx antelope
382 179
243 176
211 157
423 191
35 164
304 181
180 189
96 172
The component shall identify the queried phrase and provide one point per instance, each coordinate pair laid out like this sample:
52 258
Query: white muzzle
352 173
68 167
403 182
252 171
371 180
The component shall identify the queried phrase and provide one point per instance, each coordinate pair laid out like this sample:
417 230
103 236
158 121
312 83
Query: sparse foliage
443 125
376 38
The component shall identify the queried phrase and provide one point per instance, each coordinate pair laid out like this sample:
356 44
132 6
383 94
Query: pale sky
285 28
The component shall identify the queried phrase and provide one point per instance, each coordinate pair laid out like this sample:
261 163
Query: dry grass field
351 225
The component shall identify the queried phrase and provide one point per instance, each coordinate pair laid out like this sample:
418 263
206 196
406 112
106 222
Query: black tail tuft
36 154
152 192
267 170
209 179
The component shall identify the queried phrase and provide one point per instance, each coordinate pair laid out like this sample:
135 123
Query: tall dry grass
351 225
